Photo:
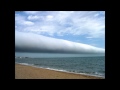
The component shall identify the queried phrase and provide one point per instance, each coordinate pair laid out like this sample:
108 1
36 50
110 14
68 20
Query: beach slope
29 72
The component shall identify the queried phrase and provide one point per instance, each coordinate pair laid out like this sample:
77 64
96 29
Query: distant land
22 57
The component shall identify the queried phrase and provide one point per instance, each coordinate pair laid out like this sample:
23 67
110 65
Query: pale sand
29 72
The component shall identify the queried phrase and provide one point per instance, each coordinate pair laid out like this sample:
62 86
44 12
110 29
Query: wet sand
29 72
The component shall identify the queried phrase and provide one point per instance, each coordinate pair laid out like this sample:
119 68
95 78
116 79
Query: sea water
91 65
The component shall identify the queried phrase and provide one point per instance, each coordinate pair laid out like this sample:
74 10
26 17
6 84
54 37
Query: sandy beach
29 72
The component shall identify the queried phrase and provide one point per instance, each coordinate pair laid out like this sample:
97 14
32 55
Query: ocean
89 65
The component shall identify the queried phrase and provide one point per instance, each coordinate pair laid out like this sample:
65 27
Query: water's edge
60 70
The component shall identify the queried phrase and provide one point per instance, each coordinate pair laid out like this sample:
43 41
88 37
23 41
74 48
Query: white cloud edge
52 43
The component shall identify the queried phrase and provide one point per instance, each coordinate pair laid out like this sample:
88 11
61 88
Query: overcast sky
60 31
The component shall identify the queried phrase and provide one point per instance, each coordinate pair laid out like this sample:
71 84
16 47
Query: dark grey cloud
29 42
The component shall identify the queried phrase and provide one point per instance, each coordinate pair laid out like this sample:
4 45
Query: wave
67 71
25 64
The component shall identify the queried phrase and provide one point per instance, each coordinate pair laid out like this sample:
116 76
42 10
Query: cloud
20 20
49 17
90 23
31 17
96 15
29 42
27 23
89 37
31 12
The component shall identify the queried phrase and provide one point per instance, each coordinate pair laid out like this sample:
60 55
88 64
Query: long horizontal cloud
29 42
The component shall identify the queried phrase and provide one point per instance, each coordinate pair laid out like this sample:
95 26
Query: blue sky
86 27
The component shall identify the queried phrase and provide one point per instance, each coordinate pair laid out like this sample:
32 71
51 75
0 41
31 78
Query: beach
29 72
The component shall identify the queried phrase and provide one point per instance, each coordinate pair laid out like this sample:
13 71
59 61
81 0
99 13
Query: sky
60 31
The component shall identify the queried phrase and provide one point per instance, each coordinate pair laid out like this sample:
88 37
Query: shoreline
34 72
60 70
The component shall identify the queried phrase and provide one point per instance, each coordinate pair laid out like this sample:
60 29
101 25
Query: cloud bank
29 42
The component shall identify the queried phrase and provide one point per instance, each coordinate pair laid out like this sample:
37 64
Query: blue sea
89 65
